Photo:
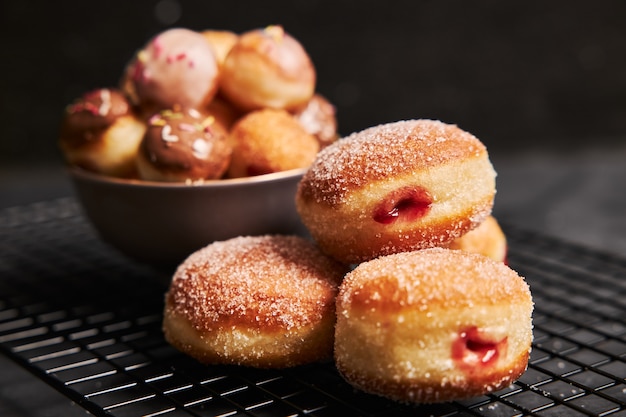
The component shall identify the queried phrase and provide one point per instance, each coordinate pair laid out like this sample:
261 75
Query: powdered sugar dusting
264 281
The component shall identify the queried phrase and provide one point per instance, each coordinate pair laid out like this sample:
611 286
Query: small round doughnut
265 301
183 145
488 239
396 187
434 325
267 141
221 41
268 68
318 117
101 133
225 113
176 68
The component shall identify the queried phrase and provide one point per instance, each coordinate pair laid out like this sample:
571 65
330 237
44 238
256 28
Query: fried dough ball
183 145
177 67
101 133
433 325
267 141
396 187
268 68
265 301
487 239
318 117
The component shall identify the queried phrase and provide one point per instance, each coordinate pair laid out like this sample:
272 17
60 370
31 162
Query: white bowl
163 223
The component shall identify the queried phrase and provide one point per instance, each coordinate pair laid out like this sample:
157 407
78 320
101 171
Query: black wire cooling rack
87 321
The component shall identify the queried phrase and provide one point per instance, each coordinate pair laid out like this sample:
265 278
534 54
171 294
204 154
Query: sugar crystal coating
382 151
269 281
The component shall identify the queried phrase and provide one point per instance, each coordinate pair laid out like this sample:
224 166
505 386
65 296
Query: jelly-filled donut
396 187
176 68
433 325
264 301
183 145
267 141
267 68
101 133
487 239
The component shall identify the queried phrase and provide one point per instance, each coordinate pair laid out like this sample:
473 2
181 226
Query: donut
225 113
221 41
183 145
267 68
488 239
177 67
318 116
263 301
396 187
433 325
101 133
268 140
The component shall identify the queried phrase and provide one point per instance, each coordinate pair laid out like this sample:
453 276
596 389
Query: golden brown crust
221 41
267 141
384 151
433 391
437 276
487 239
101 133
402 186
404 322
261 298
268 68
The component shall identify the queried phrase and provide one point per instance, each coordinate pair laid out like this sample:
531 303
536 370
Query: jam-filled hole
406 204
474 348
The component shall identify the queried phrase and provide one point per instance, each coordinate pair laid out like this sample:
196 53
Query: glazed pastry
183 145
487 239
176 68
396 187
221 41
319 119
101 133
266 301
433 325
267 141
267 68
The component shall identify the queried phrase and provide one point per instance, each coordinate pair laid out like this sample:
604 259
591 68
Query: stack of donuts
403 281
203 105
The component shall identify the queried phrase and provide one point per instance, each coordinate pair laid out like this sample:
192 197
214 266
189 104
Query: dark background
518 74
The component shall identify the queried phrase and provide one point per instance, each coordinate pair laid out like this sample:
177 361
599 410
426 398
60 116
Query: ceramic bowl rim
202 184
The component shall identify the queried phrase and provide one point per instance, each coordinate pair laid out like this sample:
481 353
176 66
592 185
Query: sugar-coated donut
488 239
183 145
101 133
318 116
177 67
265 301
433 325
267 141
267 68
396 187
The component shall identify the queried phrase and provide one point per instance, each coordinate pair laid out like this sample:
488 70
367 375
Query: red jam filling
407 204
474 348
